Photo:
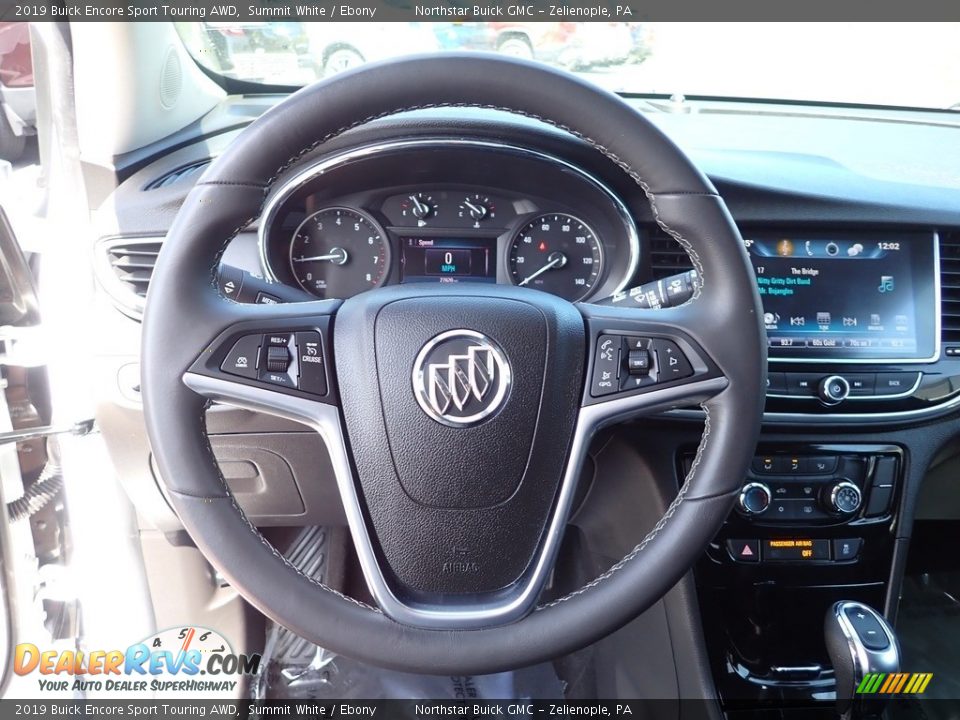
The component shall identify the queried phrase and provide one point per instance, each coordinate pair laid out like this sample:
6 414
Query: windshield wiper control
860 642
663 293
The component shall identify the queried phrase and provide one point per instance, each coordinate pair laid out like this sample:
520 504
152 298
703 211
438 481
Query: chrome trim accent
796 669
743 491
904 394
844 485
938 311
476 612
779 418
423 392
866 660
335 161
831 400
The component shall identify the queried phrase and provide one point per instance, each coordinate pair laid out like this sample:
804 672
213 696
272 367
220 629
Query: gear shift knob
859 641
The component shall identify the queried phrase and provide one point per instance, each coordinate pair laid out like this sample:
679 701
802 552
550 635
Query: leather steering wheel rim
184 309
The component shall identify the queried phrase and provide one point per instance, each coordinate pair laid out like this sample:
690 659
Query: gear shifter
859 641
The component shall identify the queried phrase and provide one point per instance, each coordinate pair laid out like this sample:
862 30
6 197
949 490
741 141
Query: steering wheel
457 419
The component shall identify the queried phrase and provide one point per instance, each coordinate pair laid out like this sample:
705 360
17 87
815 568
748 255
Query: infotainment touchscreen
865 297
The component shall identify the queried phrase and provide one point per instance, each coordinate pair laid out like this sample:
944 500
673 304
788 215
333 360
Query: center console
854 337
812 526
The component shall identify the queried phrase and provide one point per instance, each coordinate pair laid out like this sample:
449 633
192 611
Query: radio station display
444 259
847 296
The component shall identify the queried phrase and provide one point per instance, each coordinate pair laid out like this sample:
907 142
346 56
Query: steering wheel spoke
276 359
644 361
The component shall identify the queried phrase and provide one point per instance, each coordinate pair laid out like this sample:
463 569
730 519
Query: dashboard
448 211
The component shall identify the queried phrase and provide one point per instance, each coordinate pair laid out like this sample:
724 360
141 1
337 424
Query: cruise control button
606 366
313 375
895 383
242 358
672 363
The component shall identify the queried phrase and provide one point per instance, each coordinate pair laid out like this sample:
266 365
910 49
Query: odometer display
339 252
557 253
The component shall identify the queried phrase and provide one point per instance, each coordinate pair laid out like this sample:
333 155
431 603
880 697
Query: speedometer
557 253
338 252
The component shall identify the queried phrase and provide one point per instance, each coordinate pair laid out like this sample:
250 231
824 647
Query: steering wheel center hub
456 403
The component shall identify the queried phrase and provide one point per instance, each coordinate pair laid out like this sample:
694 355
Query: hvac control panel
810 505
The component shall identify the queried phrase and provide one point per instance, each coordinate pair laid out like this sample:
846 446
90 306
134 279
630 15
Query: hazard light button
744 550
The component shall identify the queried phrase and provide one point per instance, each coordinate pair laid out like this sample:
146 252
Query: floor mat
928 627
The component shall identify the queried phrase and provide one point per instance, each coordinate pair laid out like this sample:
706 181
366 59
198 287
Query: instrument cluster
578 244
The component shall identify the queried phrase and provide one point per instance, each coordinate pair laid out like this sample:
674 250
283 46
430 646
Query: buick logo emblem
460 378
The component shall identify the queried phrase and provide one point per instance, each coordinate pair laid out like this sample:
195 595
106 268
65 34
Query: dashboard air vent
666 256
179 175
124 267
950 286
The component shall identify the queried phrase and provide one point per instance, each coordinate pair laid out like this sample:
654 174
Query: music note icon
886 284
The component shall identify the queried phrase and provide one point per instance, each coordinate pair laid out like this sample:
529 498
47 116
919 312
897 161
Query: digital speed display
854 296
445 259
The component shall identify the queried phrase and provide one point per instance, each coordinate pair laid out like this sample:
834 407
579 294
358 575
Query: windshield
902 64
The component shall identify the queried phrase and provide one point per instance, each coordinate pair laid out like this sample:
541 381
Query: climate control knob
844 498
754 499
833 390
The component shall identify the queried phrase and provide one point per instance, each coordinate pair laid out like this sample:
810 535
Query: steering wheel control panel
624 363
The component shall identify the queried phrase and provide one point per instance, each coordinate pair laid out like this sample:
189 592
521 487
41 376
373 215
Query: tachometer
338 252
558 253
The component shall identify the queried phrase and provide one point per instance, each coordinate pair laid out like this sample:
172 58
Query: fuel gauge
420 206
